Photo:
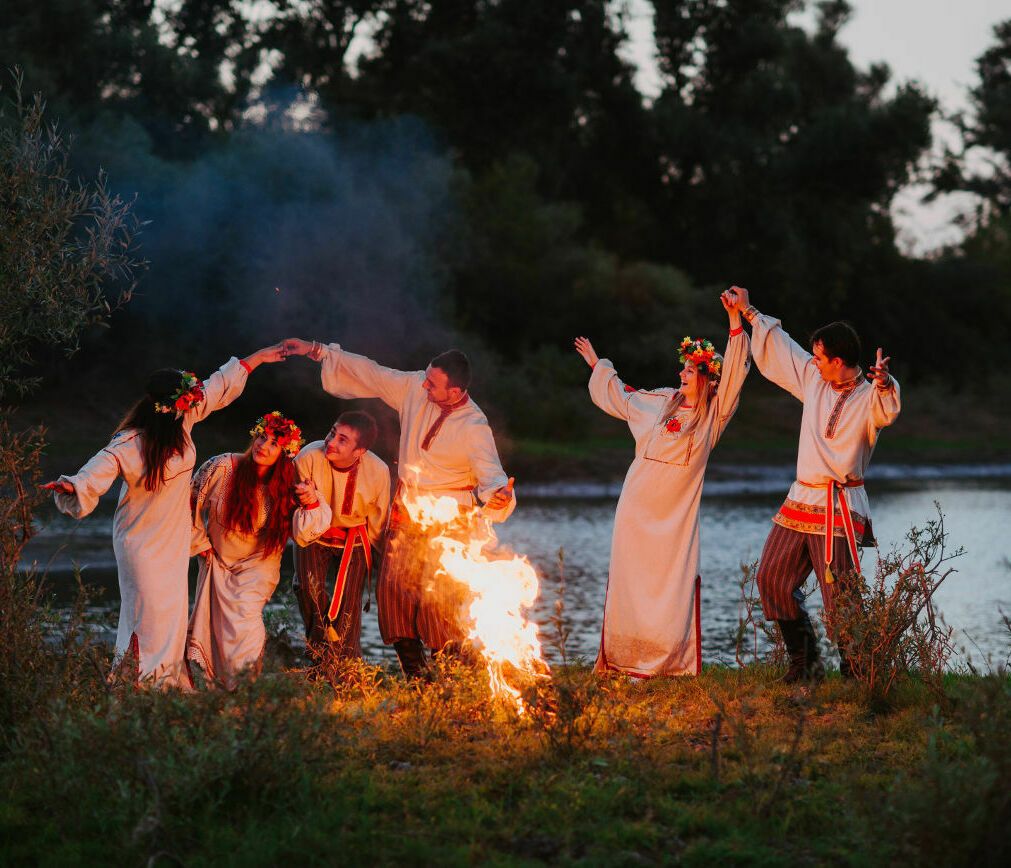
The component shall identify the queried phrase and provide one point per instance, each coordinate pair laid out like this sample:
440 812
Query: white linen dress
151 536
226 633
652 607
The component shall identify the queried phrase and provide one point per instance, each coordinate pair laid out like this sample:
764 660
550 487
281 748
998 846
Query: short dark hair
839 341
362 424
456 365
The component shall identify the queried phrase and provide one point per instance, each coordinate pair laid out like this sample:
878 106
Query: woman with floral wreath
152 449
243 505
652 606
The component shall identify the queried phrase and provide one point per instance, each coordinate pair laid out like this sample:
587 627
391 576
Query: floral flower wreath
703 353
287 434
189 394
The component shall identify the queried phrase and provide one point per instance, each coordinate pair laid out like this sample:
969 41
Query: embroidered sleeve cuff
749 313
242 362
884 387
735 332
311 505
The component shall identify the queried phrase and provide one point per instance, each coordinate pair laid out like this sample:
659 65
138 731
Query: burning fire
502 588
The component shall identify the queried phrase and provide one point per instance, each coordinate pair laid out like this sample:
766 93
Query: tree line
400 174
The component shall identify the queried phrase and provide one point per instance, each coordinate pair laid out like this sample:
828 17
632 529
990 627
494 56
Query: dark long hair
242 503
162 434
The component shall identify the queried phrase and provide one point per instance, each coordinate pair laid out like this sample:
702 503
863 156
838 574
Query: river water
736 510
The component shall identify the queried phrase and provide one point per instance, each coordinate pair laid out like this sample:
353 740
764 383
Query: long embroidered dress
652 607
151 535
444 451
226 632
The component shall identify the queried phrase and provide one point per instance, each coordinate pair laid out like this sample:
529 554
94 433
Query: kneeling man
340 476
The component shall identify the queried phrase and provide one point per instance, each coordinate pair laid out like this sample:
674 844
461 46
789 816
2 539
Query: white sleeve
90 483
308 524
487 468
885 404
779 357
736 364
346 375
220 389
607 390
199 489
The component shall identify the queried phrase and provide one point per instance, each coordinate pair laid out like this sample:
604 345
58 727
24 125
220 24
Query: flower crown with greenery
287 434
189 393
703 354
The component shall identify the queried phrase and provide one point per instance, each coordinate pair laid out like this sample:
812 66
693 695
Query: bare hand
503 497
742 295
879 371
273 353
585 349
306 493
58 485
296 347
731 302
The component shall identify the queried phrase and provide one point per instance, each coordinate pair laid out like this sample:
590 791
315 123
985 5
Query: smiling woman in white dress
153 452
243 507
652 607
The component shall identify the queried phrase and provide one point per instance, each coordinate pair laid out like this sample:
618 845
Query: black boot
802 647
845 667
412 657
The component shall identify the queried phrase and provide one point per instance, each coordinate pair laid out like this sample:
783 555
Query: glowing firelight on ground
502 588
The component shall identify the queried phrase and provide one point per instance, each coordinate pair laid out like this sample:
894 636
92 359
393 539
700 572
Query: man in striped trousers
826 515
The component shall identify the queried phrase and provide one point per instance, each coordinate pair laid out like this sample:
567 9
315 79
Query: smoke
334 235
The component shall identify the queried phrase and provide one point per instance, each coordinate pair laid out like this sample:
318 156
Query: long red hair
242 503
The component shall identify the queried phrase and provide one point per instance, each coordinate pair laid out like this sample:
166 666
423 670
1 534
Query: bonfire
500 589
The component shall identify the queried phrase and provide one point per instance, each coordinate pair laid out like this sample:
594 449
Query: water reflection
733 531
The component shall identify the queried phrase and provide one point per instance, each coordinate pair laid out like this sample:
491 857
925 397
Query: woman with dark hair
153 451
243 506
652 606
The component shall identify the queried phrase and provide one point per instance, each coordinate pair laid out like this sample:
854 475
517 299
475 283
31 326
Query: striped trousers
414 601
316 569
787 560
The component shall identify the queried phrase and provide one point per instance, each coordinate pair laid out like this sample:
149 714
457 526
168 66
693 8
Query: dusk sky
934 42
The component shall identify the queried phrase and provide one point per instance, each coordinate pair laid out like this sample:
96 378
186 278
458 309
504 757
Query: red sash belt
847 519
348 536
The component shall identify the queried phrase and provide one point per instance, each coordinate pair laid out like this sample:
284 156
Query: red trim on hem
698 625
242 362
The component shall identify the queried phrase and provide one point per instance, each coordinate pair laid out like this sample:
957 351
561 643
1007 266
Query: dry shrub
753 632
888 627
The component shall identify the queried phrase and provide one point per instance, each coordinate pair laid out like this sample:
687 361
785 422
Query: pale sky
934 42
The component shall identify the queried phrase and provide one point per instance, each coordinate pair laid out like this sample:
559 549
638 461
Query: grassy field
732 767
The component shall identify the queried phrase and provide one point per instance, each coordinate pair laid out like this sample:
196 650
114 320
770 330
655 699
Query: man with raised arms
351 485
446 449
826 514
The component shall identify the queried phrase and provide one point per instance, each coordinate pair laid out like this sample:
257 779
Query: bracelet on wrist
750 312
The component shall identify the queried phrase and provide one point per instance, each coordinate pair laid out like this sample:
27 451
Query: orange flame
502 588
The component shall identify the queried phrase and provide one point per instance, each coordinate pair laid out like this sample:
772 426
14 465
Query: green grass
699 771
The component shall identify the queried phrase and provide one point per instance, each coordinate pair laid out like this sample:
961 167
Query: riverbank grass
731 767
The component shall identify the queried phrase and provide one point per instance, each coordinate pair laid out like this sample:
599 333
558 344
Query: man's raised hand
879 371
585 349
